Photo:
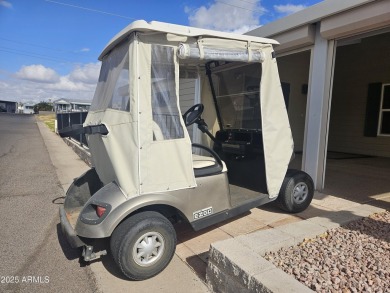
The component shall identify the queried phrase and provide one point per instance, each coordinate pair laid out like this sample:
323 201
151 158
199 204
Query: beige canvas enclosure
148 148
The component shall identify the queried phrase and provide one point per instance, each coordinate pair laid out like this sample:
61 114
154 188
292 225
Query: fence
170 124
69 119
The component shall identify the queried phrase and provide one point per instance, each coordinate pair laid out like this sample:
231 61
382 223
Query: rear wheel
143 245
296 192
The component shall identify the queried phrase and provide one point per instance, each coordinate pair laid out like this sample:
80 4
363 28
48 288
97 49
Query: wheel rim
300 192
148 249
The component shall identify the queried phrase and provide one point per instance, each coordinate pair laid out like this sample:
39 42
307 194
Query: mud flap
77 195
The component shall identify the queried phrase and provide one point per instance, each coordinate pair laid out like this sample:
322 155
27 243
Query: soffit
376 15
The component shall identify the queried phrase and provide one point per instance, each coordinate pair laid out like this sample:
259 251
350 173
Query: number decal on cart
203 213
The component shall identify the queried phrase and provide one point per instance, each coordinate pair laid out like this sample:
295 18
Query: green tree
43 106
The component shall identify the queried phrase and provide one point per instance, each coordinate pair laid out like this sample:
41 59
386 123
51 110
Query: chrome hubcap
148 249
300 192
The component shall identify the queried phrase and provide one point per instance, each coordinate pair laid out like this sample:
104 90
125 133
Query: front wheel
296 192
143 245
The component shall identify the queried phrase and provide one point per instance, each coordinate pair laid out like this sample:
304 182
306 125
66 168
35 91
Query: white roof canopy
178 30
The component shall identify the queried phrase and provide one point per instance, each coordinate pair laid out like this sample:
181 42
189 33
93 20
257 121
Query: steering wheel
193 114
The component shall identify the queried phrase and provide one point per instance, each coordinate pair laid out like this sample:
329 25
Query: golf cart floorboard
244 200
238 195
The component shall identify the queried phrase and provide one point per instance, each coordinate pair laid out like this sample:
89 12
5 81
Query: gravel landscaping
352 258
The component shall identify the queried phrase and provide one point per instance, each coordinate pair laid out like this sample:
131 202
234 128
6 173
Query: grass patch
48 119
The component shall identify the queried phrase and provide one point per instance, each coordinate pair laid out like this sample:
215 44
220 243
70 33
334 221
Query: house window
384 112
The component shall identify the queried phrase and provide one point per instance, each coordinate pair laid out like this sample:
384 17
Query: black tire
151 230
296 192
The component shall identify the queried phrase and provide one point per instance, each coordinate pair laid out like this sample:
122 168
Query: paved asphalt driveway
33 253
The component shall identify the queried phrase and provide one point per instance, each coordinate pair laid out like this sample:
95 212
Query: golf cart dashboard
240 142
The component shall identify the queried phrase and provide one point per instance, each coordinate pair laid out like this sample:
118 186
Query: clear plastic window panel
120 98
237 91
112 90
164 100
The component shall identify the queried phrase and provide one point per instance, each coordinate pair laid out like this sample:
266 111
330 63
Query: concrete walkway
260 229
356 188
177 277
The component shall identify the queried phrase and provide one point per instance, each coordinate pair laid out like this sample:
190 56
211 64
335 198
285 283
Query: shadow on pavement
69 252
109 264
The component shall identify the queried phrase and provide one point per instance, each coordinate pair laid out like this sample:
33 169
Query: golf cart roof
156 26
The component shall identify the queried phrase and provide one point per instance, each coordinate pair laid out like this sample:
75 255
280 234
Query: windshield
112 90
237 91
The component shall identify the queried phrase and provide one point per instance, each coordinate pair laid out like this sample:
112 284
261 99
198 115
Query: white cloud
229 15
38 73
245 28
85 50
65 84
35 83
288 8
5 4
88 73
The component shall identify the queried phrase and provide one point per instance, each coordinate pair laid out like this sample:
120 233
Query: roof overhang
335 19
307 16
297 38
81 103
61 102
363 19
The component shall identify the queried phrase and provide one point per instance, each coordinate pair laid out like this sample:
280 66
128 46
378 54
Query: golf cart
153 166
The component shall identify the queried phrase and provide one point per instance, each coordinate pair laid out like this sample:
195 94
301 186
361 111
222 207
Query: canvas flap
277 136
165 146
115 155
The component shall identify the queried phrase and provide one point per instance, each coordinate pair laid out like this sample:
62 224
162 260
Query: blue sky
49 48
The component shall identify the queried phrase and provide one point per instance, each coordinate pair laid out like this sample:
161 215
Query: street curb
237 264
80 150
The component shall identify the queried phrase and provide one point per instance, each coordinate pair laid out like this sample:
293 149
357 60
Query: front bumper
68 231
